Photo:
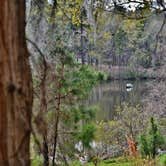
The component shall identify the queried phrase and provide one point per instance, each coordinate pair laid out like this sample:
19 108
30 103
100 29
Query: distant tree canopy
94 28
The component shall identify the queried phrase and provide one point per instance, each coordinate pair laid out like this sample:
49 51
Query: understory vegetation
76 45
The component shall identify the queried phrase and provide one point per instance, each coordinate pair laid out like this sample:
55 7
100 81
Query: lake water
109 95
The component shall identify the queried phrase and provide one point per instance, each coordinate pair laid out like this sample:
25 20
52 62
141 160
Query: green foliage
87 134
102 76
162 160
79 113
88 113
144 59
66 9
151 141
126 161
143 145
120 40
37 160
154 138
80 79
131 43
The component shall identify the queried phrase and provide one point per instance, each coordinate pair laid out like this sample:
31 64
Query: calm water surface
109 95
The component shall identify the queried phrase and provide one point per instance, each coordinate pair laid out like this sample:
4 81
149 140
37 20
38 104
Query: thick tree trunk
15 86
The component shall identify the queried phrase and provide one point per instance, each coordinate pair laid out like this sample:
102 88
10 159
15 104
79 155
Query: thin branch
39 51
158 34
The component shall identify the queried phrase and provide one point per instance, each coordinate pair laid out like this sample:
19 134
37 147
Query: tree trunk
81 41
15 86
45 152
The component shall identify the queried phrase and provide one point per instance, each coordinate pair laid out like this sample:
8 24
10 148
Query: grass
120 161
111 162
162 160
127 161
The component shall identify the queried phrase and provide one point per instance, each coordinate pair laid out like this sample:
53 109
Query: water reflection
110 94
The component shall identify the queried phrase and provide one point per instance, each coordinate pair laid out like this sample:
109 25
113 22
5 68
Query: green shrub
102 76
163 160
143 145
37 161
151 140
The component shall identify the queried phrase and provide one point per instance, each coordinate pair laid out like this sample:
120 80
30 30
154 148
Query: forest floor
127 161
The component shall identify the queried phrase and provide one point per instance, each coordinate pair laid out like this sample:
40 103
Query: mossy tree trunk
15 86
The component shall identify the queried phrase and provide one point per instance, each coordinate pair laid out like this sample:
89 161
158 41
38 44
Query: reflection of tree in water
111 94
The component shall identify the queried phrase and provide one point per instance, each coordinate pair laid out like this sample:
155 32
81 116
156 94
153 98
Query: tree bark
45 152
15 86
